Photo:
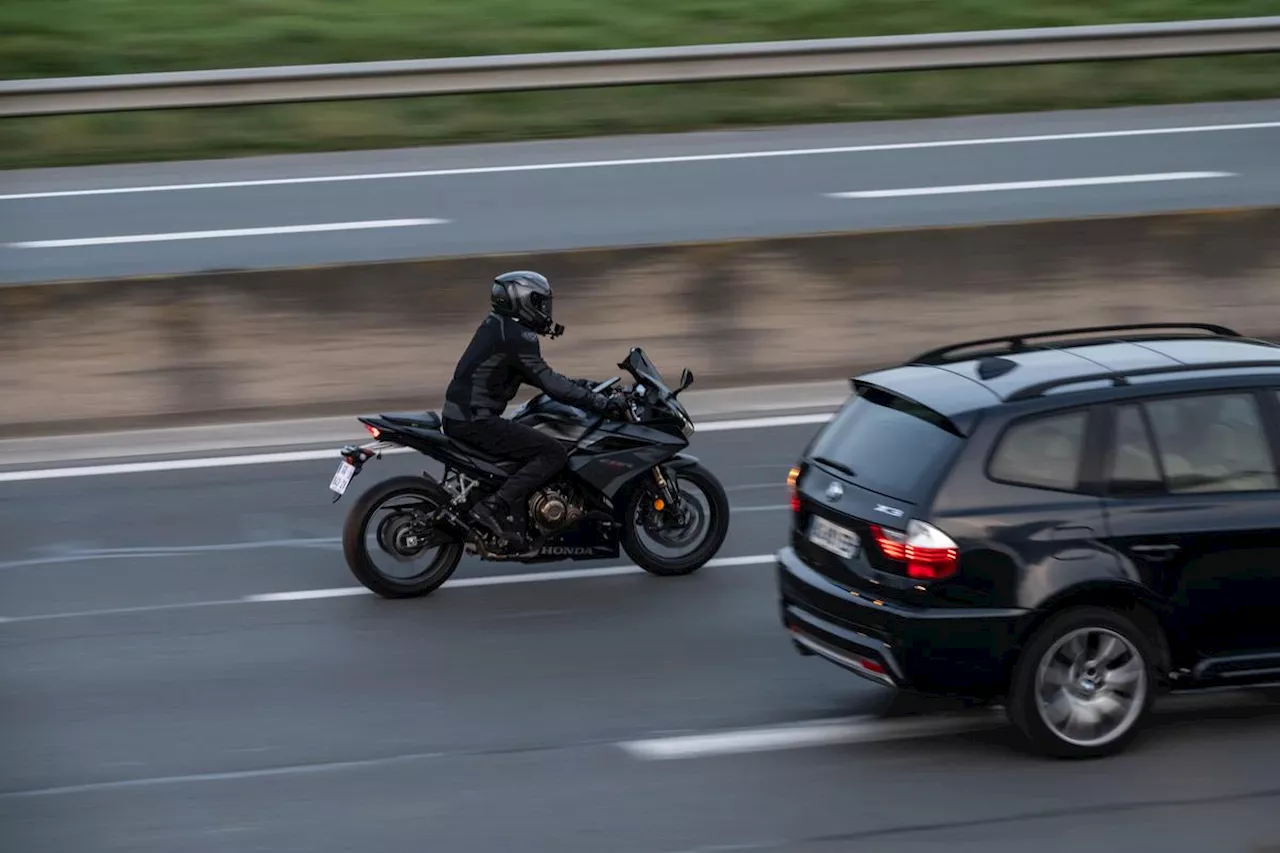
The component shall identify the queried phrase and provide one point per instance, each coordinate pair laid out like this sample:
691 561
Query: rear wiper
831 463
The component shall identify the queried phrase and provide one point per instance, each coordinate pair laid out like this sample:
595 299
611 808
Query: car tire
1085 664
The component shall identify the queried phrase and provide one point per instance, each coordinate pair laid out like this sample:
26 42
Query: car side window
1133 468
1212 443
1042 452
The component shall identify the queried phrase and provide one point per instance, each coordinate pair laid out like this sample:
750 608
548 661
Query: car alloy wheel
1091 686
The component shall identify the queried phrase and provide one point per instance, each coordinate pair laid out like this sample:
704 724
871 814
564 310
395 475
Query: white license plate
342 477
834 538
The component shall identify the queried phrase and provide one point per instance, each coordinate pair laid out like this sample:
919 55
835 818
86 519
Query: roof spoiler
913 407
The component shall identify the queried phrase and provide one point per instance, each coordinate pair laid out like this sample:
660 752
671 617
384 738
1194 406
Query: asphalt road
152 699
182 217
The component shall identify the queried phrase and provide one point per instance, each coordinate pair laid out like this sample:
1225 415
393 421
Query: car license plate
342 477
834 538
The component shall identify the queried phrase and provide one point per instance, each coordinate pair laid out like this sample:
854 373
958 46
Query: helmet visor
541 304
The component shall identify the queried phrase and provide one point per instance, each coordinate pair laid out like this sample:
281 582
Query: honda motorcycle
627 484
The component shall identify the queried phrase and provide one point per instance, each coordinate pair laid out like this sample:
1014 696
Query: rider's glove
615 407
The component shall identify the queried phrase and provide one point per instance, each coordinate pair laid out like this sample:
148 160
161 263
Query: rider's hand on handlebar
616 406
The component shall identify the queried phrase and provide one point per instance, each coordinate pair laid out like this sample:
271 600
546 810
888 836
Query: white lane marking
117 611
224 233
174 465
502 580
882 729
306 594
770 508
865 729
147 552
764 423
232 776
870 729
648 161
1033 185
343 592
313 455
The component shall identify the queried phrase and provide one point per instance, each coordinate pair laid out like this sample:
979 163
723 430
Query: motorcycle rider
503 354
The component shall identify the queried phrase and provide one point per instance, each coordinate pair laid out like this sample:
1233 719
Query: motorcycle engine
554 508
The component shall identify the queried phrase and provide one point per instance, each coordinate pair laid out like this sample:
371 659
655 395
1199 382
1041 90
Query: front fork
670 498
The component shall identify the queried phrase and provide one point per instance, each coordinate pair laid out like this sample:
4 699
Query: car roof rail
1018 343
1119 378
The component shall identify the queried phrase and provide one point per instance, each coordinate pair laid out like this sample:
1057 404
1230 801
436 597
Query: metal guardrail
684 64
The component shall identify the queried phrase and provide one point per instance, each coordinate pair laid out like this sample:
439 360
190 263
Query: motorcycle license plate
342 477
833 537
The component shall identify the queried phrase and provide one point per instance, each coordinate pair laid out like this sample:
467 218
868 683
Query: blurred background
197 295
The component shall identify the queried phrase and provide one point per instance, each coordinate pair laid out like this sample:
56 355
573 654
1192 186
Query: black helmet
526 296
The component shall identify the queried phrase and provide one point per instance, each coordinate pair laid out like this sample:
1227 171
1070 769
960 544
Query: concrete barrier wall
96 355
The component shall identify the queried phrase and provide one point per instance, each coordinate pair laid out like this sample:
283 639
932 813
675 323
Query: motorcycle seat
430 421
420 420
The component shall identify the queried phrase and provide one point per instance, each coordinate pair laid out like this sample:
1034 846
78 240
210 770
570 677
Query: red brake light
893 543
373 430
929 553
871 666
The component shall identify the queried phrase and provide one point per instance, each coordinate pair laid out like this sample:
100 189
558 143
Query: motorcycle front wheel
404 534
693 534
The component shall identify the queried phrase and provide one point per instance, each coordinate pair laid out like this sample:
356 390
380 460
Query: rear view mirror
686 379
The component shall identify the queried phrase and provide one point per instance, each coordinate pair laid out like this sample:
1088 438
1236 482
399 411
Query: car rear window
893 446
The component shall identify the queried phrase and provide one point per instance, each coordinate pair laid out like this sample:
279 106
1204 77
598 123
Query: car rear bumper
949 651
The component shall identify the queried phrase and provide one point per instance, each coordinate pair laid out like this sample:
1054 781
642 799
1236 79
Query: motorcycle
625 480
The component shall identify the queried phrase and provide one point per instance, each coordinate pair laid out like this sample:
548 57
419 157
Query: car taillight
893 543
929 553
792 476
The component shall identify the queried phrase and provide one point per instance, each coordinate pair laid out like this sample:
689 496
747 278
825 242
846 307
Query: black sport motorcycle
626 481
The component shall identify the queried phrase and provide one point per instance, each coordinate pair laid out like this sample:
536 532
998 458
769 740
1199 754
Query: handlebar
633 398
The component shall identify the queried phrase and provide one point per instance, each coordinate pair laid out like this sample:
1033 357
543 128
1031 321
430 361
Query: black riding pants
542 455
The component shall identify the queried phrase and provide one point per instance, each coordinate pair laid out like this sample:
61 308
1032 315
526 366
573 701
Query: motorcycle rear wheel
355 547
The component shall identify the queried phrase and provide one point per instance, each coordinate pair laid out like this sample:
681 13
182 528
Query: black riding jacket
502 355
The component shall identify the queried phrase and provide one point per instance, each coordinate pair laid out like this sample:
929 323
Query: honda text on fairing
626 482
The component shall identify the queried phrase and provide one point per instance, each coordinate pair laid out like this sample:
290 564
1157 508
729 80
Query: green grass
80 37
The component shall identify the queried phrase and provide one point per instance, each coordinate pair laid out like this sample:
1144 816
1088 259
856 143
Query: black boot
495 515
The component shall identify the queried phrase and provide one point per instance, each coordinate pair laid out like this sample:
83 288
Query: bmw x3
1064 523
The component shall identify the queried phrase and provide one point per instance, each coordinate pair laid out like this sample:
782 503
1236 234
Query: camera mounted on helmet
526 297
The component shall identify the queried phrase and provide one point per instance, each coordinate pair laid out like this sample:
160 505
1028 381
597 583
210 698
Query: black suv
1065 523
